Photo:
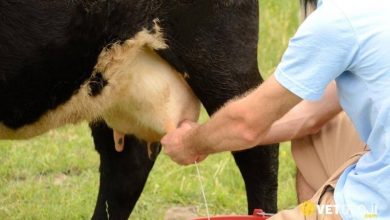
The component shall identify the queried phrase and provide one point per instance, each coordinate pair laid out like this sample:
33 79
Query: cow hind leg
258 165
122 175
259 169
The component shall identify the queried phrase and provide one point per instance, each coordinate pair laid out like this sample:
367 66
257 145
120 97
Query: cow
67 61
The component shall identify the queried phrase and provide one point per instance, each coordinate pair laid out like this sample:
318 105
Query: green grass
51 177
55 176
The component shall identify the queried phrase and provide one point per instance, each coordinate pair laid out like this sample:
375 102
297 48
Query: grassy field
55 176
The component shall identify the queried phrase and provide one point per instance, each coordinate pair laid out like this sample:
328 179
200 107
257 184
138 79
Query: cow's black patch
48 49
96 84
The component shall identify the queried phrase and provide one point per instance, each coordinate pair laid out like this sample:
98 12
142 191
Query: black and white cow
107 61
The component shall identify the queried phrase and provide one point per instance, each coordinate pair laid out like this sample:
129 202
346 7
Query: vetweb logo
309 208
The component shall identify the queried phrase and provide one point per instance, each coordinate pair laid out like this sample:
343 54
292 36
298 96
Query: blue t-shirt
349 41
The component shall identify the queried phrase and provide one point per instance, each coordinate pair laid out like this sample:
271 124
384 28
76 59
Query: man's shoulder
353 7
363 15
327 20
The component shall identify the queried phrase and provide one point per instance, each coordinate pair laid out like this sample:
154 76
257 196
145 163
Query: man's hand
177 146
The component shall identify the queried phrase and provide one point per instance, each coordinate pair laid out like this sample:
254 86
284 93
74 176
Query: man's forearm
227 130
304 119
241 124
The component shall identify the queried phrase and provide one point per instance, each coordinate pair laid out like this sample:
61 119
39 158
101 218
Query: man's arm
306 118
239 125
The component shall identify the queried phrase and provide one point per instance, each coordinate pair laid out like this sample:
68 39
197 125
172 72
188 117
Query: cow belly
155 100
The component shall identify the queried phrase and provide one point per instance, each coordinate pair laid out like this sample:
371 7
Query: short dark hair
307 7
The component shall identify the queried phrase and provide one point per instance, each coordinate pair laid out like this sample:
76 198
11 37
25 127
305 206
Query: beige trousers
321 159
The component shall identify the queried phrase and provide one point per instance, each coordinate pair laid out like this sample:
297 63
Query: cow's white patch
144 96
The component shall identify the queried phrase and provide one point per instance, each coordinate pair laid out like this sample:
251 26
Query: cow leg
122 175
259 168
258 165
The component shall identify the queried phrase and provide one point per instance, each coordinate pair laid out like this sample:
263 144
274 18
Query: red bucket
258 214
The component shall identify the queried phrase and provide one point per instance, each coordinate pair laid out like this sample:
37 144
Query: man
343 40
